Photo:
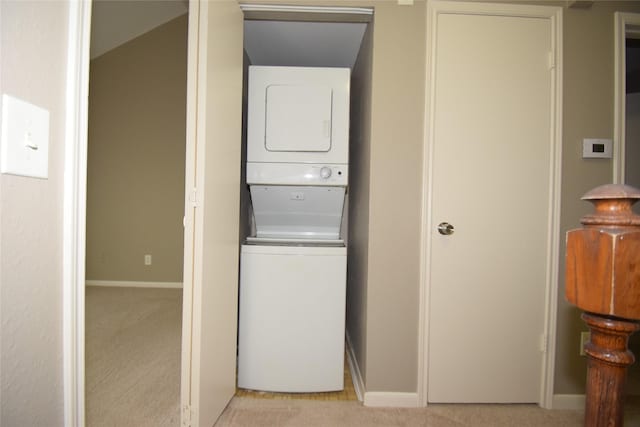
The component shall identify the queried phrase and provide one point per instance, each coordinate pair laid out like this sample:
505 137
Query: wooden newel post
603 279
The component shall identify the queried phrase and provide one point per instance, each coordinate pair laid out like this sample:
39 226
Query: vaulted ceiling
267 42
115 22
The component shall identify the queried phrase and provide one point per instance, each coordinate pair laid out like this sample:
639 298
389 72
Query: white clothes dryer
298 115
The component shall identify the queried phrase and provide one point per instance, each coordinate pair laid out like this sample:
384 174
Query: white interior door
210 304
491 159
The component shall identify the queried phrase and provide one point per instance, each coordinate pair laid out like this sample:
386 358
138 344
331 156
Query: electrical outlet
584 339
147 260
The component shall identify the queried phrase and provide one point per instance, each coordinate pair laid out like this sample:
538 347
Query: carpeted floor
133 357
133 380
246 412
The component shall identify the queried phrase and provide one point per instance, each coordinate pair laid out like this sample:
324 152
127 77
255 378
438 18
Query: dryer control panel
297 174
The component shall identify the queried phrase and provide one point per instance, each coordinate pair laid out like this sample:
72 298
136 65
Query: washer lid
275 241
286 212
305 250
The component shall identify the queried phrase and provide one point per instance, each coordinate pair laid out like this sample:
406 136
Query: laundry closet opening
304 197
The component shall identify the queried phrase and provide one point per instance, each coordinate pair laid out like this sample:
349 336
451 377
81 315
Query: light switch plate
24 145
593 148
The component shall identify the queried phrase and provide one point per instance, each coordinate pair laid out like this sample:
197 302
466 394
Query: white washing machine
293 270
292 318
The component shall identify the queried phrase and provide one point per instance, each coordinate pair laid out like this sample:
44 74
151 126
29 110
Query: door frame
623 23
554 14
190 203
75 212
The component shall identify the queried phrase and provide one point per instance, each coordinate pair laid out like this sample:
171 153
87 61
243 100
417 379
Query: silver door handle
445 228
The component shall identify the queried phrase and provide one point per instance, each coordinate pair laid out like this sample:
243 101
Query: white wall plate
24 146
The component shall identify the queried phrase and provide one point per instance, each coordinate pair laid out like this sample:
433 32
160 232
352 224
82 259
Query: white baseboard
391 399
124 284
569 401
376 398
356 376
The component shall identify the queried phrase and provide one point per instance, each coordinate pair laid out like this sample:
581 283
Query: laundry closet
299 153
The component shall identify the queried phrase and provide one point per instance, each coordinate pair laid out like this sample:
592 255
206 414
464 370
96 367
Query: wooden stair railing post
603 279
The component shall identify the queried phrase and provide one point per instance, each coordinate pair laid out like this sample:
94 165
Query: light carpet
246 412
133 357
133 379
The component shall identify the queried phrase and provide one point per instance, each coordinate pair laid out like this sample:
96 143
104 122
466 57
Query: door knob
445 228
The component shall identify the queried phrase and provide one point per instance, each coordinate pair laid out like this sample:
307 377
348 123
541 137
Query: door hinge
551 60
186 415
544 343
193 198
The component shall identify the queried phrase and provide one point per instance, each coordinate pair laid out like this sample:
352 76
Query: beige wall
396 153
135 188
32 63
245 195
359 175
33 66
397 138
387 296
588 112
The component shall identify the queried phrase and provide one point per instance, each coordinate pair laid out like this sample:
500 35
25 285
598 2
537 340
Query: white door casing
493 163
214 115
213 384
75 211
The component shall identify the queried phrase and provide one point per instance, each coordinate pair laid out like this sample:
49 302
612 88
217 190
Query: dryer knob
325 172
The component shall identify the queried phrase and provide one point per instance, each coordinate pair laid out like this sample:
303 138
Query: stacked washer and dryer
293 270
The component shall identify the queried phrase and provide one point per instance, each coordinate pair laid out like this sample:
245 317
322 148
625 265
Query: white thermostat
593 148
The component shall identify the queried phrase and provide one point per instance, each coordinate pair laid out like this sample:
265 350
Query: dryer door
298 118
298 115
